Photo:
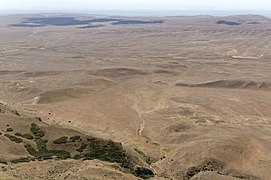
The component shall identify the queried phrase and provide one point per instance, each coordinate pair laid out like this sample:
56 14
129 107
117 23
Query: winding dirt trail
148 101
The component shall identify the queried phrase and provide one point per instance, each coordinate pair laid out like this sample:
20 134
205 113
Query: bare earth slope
183 97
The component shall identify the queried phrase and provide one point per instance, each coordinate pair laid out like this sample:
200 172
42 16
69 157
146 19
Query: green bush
147 159
9 130
43 153
74 138
18 134
82 147
22 159
61 140
14 138
36 131
41 146
28 136
144 173
31 150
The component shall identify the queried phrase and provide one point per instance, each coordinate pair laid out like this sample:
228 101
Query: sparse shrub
43 153
144 173
31 150
82 147
2 161
61 140
14 138
41 146
91 139
9 129
18 134
15 112
147 159
36 131
74 138
28 136
39 119
22 159
47 157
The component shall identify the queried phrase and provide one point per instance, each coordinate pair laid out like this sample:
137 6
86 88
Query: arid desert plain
97 97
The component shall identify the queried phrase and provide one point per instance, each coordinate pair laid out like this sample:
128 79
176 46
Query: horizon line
183 12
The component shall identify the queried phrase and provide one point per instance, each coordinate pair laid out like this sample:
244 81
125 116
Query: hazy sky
135 4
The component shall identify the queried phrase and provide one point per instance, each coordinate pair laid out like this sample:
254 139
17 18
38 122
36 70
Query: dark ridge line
232 84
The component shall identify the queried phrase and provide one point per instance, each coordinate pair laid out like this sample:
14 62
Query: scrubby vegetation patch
144 173
9 129
74 138
13 138
61 140
36 131
22 159
77 147
26 136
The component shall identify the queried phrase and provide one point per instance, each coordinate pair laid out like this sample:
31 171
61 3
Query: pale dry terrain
193 94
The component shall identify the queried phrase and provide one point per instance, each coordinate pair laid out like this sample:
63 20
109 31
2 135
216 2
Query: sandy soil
192 94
